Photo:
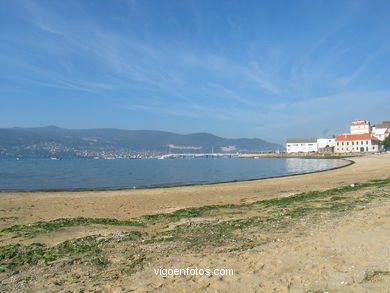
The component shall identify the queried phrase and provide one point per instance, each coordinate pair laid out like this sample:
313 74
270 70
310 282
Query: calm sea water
75 174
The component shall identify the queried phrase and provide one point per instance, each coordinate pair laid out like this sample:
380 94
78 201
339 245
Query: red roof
362 136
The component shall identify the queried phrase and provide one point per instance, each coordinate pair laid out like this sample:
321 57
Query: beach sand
347 251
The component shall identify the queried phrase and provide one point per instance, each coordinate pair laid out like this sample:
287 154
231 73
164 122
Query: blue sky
266 69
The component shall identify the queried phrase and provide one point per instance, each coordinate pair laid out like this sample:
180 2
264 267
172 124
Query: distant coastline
51 141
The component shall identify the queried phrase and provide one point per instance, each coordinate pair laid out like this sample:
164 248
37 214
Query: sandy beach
286 242
124 204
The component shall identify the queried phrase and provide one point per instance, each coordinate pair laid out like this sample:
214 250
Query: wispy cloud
362 66
175 61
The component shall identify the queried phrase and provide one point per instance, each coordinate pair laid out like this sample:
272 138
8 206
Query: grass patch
54 225
12 256
129 236
8 218
89 248
337 198
208 233
277 202
280 213
188 213
375 275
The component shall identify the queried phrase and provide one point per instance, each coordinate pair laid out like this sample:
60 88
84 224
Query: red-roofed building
350 143
360 126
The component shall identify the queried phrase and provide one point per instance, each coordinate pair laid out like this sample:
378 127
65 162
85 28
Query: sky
264 69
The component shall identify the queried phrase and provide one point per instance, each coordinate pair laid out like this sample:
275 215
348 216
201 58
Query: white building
308 145
326 145
326 142
351 143
360 126
301 145
382 130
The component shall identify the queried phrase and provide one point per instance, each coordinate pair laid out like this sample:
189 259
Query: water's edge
349 162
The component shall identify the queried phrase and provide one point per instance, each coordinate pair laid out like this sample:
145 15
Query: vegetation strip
89 247
54 225
285 201
276 214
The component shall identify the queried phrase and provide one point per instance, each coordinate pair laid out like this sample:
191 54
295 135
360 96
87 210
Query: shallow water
87 174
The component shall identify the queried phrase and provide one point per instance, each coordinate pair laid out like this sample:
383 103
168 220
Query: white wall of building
380 133
360 126
326 142
301 147
355 146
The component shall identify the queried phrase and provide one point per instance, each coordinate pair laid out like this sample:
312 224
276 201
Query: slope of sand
333 255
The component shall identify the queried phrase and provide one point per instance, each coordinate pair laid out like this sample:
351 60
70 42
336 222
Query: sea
89 174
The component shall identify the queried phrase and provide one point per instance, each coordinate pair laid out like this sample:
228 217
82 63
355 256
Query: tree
386 142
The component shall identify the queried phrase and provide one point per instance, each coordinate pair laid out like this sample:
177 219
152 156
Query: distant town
362 138
108 144
52 142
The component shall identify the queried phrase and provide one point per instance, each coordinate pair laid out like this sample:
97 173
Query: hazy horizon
259 69
127 129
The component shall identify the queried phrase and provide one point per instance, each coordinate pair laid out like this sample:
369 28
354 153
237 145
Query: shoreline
125 204
314 232
162 186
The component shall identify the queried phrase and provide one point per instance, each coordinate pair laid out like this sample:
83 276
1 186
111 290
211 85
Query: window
342 143
347 142
366 141
337 143
352 143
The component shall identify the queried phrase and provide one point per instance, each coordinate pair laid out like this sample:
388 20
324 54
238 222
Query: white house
382 130
301 145
352 143
360 126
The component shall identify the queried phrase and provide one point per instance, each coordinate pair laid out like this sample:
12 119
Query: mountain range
52 141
